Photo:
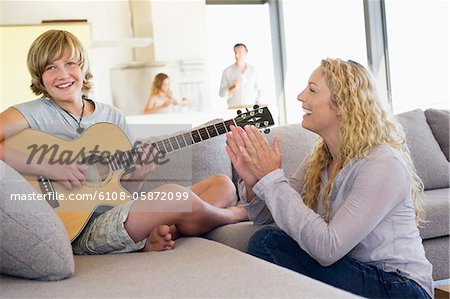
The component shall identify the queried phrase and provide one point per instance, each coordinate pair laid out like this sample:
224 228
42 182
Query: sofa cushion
430 162
438 253
439 122
437 207
34 242
196 268
296 144
235 235
192 164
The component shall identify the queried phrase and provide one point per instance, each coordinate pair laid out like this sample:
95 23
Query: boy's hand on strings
144 161
69 175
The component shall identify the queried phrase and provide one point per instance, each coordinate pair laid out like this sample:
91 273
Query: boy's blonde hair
49 47
364 124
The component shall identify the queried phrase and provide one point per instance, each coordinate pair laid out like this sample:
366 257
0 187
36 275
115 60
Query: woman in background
160 95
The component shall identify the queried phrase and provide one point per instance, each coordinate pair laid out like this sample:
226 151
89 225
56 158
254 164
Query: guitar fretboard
175 143
125 159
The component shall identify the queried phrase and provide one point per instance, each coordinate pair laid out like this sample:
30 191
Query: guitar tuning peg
247 109
255 107
239 112
267 131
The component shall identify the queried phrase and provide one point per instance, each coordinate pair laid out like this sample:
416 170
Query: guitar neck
180 141
125 159
260 118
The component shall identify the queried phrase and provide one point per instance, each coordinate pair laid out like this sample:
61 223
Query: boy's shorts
107 234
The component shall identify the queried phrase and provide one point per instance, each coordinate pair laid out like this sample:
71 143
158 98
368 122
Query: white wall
110 20
179 30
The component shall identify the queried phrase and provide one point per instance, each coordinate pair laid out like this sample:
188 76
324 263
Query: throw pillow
33 241
431 164
439 122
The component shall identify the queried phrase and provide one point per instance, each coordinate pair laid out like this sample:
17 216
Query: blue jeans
275 246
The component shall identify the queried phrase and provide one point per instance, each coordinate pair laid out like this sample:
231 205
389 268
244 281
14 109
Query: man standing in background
240 83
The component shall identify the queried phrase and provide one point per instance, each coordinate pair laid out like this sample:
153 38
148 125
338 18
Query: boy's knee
197 204
227 188
224 181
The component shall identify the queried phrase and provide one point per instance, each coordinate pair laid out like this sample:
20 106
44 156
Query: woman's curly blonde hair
364 124
47 48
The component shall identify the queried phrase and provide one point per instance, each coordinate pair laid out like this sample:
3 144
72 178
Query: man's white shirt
248 91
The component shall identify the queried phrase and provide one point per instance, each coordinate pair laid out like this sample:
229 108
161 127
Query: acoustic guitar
108 154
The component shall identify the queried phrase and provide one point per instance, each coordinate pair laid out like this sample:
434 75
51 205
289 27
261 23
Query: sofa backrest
428 158
192 164
439 122
209 157
296 144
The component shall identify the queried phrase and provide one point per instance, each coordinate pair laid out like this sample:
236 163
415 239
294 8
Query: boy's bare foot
159 239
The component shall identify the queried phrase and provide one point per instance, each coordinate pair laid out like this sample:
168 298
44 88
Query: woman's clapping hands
252 156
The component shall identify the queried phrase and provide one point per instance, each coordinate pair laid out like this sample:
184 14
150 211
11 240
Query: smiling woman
334 222
321 114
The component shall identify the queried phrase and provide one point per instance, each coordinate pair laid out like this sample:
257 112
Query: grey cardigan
372 217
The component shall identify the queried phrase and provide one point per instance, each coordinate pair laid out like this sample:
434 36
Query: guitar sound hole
98 172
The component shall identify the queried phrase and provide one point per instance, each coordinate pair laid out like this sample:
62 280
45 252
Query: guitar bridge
47 189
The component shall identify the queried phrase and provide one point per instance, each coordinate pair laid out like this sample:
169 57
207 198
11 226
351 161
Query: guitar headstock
260 117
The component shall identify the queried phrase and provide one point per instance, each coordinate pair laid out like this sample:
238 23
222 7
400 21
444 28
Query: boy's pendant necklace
79 129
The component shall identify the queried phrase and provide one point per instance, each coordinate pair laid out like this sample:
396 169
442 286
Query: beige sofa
217 265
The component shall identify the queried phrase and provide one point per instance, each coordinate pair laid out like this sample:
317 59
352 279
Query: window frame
376 44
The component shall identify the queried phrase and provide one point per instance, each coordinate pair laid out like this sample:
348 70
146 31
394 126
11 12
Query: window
249 24
315 30
418 37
